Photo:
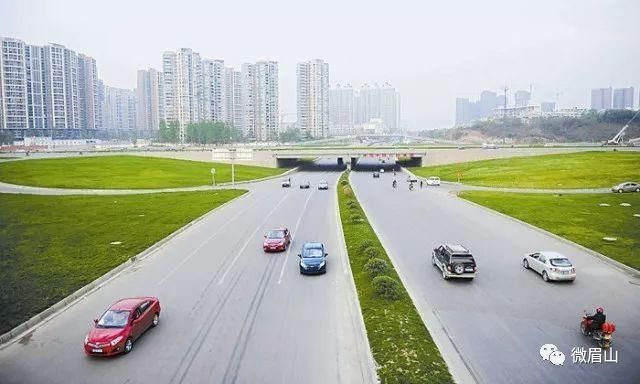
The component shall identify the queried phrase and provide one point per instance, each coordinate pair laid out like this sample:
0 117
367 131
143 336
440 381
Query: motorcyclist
597 320
394 184
411 186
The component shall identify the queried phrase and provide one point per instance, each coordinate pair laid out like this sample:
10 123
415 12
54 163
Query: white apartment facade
313 98
213 76
149 99
120 109
267 101
13 85
183 87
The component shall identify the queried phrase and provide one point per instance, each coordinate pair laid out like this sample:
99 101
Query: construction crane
618 139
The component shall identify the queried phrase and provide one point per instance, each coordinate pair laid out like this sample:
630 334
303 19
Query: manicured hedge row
401 344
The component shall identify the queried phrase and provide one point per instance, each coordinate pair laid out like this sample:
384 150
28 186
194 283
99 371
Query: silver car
551 265
629 186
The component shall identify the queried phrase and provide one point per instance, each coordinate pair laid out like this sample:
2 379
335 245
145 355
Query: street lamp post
232 154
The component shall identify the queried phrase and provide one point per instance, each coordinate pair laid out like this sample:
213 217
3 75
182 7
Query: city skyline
554 46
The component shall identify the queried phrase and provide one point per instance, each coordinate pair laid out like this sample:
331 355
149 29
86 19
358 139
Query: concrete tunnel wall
292 162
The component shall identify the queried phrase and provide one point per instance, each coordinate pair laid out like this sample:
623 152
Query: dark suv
454 261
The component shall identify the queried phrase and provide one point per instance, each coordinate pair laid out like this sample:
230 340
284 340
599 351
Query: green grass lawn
50 246
573 170
124 172
400 342
578 218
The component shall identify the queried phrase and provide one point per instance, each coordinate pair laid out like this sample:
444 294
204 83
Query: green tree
290 135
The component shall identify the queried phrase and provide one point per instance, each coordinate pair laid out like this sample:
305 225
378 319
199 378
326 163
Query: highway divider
401 344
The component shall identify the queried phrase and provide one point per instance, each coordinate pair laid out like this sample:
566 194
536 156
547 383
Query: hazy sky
430 51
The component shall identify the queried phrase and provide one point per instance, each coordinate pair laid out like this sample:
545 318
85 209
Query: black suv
454 261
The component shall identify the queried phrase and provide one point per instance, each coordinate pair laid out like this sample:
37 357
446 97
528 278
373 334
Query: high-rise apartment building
248 100
149 100
601 99
13 85
228 95
35 87
378 102
257 117
237 101
623 98
463 111
313 98
88 96
267 101
120 109
183 87
389 108
213 90
47 90
341 110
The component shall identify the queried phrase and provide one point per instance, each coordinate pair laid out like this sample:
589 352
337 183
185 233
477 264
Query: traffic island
400 343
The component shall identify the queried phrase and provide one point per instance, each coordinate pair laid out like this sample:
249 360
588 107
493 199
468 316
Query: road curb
460 370
59 307
370 359
292 170
632 272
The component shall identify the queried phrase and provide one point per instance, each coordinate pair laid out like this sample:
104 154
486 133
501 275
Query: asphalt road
230 313
499 321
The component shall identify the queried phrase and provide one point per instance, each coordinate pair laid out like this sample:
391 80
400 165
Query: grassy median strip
579 218
50 246
124 172
400 342
572 170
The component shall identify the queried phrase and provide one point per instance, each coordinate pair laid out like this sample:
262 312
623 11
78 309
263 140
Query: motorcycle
603 335
411 186
394 184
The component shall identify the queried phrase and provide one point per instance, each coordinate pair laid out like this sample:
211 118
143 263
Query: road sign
228 154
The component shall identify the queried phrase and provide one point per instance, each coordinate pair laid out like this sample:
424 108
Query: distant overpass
285 157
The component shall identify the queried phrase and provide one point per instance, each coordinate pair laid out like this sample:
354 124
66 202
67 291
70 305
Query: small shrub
371 252
347 191
356 219
387 287
366 244
376 267
352 204
344 182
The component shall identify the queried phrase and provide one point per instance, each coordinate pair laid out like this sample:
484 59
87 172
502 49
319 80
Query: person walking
420 184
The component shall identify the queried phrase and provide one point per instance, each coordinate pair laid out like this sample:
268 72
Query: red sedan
276 240
120 325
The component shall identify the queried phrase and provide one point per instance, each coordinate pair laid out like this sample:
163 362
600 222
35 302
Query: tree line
209 132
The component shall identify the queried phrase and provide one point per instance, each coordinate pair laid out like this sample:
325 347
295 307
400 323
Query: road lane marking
286 257
251 237
207 240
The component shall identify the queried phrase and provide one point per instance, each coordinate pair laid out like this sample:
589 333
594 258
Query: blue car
313 258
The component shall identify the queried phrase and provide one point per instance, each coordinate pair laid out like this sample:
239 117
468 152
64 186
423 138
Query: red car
276 240
120 325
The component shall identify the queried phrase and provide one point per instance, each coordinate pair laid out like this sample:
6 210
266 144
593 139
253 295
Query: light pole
232 154
213 176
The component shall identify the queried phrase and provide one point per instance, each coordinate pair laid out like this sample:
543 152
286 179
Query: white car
551 265
381 170
433 180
